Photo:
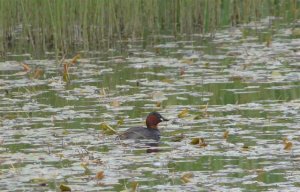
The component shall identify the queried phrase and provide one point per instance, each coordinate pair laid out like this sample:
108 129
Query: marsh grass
67 25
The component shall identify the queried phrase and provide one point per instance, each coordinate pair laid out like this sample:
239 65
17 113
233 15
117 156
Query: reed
69 25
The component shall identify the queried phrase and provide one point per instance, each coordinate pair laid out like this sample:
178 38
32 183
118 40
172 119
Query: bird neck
152 126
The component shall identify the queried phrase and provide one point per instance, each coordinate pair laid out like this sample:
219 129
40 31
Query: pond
232 100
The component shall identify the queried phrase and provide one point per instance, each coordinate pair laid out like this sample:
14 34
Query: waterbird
149 132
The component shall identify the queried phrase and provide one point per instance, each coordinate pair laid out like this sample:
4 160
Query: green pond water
238 82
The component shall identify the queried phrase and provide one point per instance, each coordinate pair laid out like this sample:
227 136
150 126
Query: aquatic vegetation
232 100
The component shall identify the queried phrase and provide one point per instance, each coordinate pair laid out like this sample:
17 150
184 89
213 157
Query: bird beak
164 119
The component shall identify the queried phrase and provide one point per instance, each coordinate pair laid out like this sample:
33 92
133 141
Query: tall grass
64 25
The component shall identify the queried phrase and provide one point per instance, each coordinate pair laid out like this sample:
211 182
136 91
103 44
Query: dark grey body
138 133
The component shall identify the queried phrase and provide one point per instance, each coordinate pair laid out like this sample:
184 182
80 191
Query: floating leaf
87 171
99 175
245 148
166 80
276 74
26 67
288 146
66 72
66 68
225 134
158 96
60 155
246 65
75 59
186 177
120 122
178 138
38 72
233 53
195 141
84 165
64 187
38 180
236 78
202 142
204 113
183 113
198 141
182 71
296 32
134 186
157 50
268 41
103 92
66 132
187 61
158 104
115 103
107 128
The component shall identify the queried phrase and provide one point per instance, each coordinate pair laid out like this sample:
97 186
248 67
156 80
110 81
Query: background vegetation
62 25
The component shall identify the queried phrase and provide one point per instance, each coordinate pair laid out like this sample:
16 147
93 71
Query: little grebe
149 132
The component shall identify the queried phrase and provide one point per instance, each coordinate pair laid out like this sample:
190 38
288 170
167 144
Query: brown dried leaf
75 59
225 134
99 175
157 50
182 71
288 146
236 78
26 67
38 72
66 68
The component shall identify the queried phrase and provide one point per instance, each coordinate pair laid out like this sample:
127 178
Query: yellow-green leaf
183 113
64 187
107 129
195 141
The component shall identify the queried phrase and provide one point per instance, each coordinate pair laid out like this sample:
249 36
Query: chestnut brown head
153 119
